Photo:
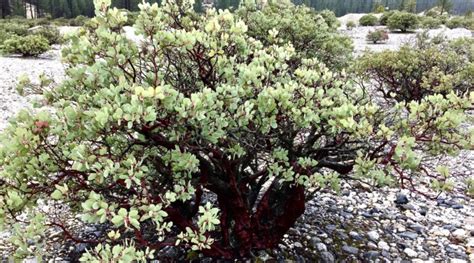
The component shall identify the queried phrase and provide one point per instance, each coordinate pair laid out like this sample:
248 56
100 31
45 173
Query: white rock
410 252
470 242
321 247
373 235
460 234
372 245
383 245
441 232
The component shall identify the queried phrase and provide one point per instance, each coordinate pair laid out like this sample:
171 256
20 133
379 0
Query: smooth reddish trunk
243 230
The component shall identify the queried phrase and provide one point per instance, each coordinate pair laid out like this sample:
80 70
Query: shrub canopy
312 34
429 22
203 137
30 45
384 18
402 21
377 36
51 33
415 71
368 20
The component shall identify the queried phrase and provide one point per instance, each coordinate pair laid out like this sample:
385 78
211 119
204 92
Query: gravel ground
12 68
359 34
395 40
356 226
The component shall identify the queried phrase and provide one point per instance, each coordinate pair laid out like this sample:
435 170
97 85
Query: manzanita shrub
368 20
428 67
202 137
377 36
51 33
28 46
403 21
313 34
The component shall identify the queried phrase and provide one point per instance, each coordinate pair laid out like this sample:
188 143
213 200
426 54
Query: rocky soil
357 225
395 40
12 68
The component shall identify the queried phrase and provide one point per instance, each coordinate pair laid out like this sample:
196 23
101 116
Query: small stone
470 242
373 235
409 235
401 199
450 227
417 227
355 235
343 235
321 247
264 256
294 232
349 209
314 241
400 228
368 215
452 248
330 228
410 252
423 212
169 252
460 234
385 254
449 203
371 255
408 207
441 232
350 250
371 245
383 245
323 235
327 257
298 245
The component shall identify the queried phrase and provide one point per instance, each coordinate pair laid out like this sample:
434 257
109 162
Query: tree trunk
244 229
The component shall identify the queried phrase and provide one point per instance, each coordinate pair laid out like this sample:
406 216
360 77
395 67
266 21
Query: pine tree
402 6
74 7
5 8
410 6
67 10
445 5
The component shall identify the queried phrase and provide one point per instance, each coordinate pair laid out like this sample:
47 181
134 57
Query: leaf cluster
368 20
30 45
403 21
376 36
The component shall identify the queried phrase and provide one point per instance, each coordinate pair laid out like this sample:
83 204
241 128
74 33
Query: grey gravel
350 250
